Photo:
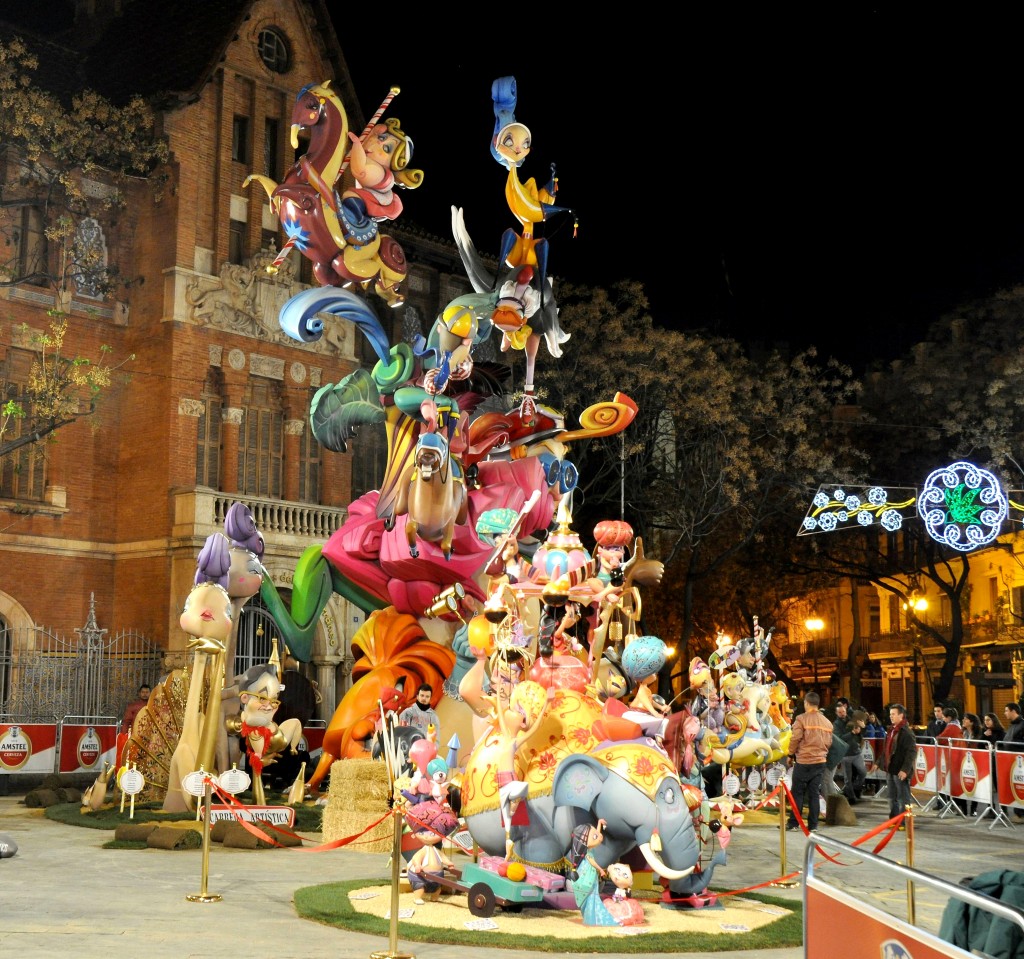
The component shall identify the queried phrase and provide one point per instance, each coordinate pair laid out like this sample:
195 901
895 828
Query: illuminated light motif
962 506
834 508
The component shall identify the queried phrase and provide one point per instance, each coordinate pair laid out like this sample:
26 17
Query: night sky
832 178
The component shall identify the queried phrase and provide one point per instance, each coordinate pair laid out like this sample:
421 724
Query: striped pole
392 93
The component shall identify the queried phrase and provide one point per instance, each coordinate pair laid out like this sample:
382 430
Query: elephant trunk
655 862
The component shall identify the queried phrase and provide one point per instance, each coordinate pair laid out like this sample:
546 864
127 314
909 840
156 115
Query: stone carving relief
246 299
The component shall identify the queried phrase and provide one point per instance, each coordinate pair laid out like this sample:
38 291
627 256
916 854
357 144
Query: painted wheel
481 900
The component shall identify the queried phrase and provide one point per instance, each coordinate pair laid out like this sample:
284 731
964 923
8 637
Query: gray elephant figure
634 810
586 783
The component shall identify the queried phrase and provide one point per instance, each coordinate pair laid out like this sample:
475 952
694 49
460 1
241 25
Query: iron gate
45 677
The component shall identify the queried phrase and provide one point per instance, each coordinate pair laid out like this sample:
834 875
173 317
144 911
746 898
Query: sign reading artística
275 815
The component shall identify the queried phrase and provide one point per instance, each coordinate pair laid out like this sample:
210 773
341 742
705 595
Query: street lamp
815 624
914 604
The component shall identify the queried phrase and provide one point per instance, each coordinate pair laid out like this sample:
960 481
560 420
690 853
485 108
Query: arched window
256 629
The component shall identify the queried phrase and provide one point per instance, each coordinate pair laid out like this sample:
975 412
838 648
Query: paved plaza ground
64 895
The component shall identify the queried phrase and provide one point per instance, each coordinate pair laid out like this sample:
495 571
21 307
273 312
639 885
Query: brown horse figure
435 496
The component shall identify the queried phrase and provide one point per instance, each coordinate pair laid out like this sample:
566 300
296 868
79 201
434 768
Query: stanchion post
396 869
909 820
203 895
781 883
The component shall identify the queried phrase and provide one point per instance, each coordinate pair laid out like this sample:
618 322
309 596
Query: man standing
421 715
854 771
839 728
1014 724
808 747
1015 736
899 754
134 708
936 724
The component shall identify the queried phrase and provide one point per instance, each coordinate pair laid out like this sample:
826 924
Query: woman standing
993 731
972 727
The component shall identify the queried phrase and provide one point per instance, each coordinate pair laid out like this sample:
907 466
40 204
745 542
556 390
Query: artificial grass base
329 904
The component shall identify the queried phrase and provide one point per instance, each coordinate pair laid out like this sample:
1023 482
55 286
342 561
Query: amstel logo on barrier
968 774
920 767
89 748
15 749
1017 779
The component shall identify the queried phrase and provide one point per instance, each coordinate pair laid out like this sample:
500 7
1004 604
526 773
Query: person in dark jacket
898 756
992 730
937 723
1014 726
854 770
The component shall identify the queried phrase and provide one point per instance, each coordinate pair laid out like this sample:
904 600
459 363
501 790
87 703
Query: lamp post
914 604
814 625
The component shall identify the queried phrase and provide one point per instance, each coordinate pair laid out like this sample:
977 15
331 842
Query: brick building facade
216 404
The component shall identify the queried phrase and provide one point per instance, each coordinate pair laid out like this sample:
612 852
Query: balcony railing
822 648
200 512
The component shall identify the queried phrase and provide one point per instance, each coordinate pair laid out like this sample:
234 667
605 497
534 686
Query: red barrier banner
28 748
1010 778
872 750
84 748
968 771
926 767
312 740
832 916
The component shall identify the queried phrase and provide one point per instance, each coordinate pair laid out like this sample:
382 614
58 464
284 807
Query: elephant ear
578 780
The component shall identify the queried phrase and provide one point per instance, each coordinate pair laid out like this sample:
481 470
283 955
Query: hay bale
69 794
170 837
359 795
134 831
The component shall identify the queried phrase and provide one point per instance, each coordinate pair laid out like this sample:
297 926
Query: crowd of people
822 747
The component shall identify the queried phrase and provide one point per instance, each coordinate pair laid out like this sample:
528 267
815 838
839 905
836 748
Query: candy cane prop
392 93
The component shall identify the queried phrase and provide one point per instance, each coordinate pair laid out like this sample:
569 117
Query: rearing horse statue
435 496
343 250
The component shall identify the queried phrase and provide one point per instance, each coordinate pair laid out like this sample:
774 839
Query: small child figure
623 907
430 824
620 874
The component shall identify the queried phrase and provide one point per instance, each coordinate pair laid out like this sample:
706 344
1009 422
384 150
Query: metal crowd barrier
833 915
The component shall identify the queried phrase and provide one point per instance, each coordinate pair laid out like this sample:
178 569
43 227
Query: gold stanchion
784 865
911 908
203 895
396 858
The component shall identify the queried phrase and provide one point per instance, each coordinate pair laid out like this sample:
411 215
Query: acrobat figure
379 163
517 716
642 660
530 205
